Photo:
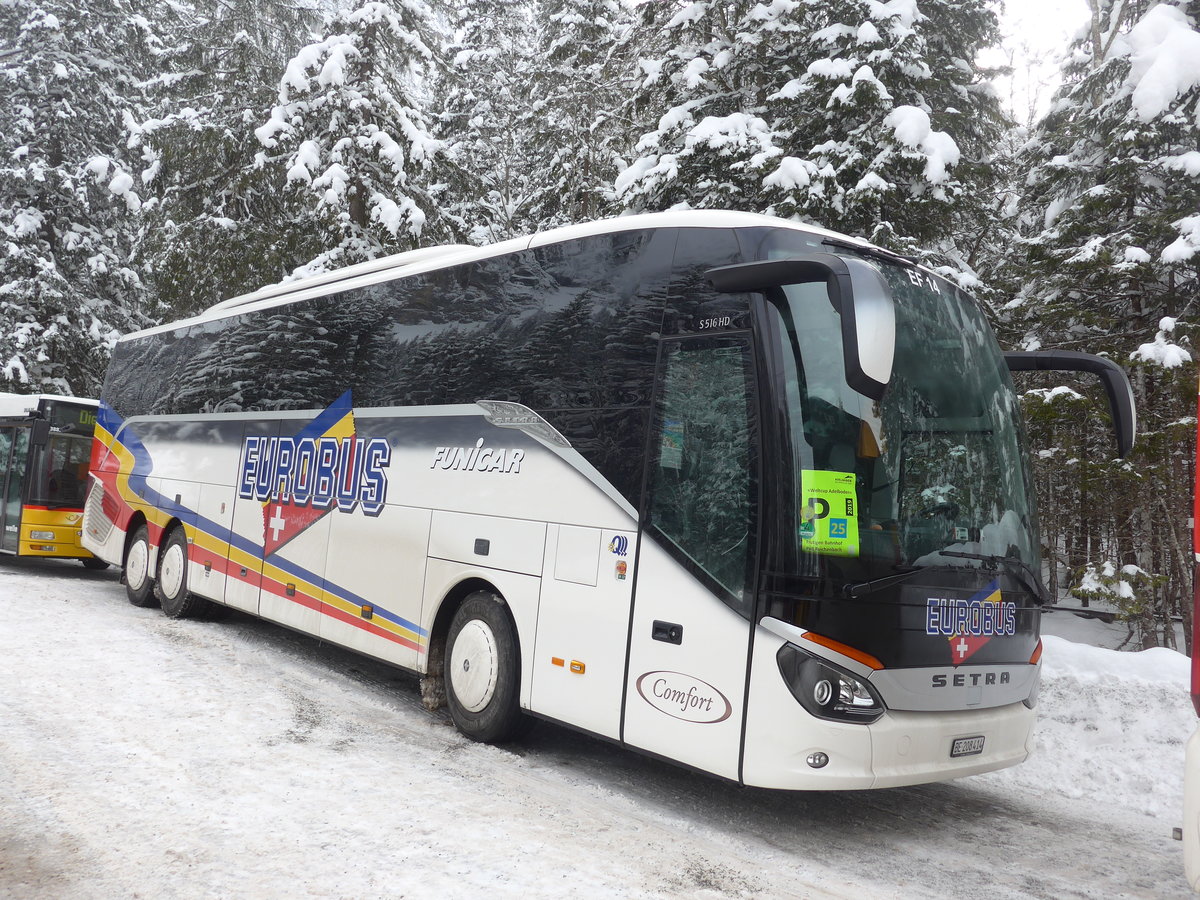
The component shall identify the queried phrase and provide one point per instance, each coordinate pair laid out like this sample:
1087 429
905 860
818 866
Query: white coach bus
743 494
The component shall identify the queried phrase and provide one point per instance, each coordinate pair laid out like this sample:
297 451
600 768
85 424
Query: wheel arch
137 520
164 535
433 688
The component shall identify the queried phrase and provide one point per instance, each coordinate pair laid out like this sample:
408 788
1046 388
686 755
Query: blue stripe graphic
143 465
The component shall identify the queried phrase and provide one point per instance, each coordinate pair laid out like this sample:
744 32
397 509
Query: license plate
968 746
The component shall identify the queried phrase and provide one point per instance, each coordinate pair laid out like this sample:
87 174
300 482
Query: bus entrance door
687 669
14 443
690 632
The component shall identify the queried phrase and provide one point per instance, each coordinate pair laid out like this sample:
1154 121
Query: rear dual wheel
139 586
171 585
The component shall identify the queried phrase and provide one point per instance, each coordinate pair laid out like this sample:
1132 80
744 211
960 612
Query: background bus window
703 482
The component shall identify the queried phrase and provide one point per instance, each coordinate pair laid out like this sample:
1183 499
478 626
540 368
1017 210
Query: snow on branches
351 132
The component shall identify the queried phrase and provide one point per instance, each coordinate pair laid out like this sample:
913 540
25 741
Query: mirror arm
1113 377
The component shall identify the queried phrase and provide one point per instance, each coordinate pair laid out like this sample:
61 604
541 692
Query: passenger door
690 629
11 472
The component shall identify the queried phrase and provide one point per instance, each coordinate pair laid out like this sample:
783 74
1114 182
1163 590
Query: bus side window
703 478
693 305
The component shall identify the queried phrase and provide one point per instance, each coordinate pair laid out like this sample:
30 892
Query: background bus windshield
60 477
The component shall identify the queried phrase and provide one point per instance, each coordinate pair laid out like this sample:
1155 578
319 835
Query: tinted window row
570 330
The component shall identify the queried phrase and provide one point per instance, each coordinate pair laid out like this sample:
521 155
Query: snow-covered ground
145 757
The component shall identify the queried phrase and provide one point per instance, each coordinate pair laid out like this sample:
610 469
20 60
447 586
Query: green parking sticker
828 514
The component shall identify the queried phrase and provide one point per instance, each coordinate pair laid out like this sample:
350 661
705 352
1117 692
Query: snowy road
145 757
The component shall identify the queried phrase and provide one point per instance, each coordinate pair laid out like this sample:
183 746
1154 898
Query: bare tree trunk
1144 553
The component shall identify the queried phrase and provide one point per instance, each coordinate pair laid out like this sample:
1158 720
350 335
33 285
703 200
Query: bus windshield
60 478
932 475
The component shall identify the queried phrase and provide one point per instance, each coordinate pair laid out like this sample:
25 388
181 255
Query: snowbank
1111 729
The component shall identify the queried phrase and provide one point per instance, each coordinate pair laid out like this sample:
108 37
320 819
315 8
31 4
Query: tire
96 565
483 671
139 586
171 584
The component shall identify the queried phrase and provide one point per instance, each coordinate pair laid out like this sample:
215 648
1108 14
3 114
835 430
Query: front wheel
483 671
139 586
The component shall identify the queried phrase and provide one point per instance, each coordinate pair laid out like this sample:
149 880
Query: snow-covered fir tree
213 223
703 71
577 94
1111 219
855 114
69 72
486 120
351 133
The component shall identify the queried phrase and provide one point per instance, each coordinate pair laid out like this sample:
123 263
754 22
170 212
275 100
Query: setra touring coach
740 493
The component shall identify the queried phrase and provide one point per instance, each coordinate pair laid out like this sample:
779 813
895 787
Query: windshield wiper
854 591
1018 568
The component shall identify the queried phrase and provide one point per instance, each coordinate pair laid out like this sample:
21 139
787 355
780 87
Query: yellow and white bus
45 445
737 492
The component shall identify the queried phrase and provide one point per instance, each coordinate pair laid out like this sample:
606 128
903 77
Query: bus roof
428 259
21 405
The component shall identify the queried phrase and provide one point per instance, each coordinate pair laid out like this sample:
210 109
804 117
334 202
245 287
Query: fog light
45 548
42 535
818 760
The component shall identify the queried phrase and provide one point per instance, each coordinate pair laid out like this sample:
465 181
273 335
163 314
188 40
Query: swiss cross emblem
284 520
970 637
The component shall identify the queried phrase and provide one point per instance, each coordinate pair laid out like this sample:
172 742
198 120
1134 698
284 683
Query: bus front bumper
53 533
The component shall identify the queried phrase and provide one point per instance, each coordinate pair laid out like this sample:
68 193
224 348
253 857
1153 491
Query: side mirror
39 433
1113 377
856 290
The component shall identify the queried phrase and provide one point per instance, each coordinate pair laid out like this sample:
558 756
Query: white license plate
968 746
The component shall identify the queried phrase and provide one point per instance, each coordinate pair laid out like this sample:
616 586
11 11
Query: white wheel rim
135 566
170 577
474 666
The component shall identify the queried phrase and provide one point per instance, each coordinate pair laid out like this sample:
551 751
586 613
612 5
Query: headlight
826 691
42 535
